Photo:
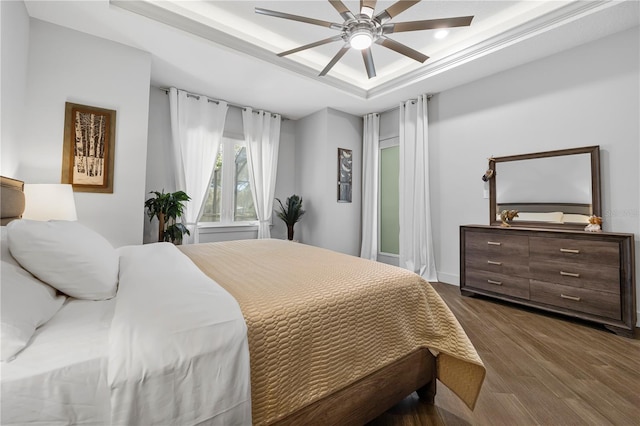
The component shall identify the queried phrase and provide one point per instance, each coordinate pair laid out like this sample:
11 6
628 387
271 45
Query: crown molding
176 20
505 39
537 26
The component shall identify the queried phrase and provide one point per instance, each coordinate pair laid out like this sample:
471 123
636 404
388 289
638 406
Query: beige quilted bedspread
320 320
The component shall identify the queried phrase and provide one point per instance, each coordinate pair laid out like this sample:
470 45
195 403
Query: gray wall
566 100
14 37
327 223
563 101
53 76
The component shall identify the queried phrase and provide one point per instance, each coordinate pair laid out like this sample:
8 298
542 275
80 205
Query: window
389 200
229 199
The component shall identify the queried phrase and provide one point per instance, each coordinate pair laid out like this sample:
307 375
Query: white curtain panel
262 135
416 245
197 124
370 154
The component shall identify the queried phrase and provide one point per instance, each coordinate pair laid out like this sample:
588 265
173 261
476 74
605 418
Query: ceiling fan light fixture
361 39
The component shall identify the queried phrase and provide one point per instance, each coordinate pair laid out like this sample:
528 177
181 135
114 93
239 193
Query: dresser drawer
590 276
517 266
498 283
575 250
498 246
577 299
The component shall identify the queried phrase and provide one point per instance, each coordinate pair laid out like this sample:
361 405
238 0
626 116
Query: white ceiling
225 50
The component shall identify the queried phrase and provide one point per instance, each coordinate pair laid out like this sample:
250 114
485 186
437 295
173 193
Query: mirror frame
594 152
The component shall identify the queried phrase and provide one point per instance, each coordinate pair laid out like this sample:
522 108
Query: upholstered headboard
12 199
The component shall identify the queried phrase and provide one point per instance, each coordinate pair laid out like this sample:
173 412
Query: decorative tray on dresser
587 275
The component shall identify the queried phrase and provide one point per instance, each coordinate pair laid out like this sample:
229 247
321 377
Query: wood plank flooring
541 370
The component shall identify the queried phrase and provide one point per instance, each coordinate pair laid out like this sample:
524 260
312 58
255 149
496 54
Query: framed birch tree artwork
345 166
88 151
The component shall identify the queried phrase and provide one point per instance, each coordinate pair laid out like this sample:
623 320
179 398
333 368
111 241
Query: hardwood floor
541 370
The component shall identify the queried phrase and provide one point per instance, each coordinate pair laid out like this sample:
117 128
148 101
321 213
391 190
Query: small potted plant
168 207
291 213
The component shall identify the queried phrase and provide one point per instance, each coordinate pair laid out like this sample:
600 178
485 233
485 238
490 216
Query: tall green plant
291 213
168 207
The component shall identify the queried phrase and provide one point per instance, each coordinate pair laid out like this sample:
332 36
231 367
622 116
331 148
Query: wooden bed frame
371 396
12 199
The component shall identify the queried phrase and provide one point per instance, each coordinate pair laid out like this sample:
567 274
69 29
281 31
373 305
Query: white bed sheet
169 349
60 377
178 349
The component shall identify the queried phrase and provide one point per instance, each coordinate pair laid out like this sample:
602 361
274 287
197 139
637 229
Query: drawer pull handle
575 299
494 243
493 262
569 274
564 250
494 282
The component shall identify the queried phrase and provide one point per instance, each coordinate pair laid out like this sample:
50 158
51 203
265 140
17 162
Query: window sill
215 228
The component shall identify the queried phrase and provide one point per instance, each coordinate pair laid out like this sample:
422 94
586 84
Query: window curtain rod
215 101
409 100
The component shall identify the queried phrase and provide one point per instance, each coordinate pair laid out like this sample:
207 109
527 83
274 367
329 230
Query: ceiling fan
360 31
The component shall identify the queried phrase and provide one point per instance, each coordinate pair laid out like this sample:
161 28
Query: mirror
552 189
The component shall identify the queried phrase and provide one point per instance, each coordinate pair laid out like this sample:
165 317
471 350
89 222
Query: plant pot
290 232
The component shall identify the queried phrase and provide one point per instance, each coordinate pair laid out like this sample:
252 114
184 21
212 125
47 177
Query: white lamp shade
49 201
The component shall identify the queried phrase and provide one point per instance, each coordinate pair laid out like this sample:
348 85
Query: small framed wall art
345 169
89 148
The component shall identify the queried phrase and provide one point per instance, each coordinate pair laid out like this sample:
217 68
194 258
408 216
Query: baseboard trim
448 278
389 259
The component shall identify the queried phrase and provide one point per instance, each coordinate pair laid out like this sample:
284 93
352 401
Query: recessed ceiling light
441 34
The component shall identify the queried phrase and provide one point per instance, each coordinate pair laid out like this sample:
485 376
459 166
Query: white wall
14 42
328 223
66 65
160 169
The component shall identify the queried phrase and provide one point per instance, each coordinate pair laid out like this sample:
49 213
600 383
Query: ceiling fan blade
335 59
368 62
402 49
430 24
310 45
367 7
342 9
298 18
394 10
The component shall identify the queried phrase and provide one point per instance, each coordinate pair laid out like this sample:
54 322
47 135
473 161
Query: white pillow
27 303
66 255
5 255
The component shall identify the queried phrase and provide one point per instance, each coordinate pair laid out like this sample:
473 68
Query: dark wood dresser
586 275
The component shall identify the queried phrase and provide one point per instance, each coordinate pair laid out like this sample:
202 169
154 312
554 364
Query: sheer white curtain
416 245
197 124
262 134
370 153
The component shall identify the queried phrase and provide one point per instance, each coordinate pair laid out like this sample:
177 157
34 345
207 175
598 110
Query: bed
262 332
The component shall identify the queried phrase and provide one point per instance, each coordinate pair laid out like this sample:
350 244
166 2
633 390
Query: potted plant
168 207
291 213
